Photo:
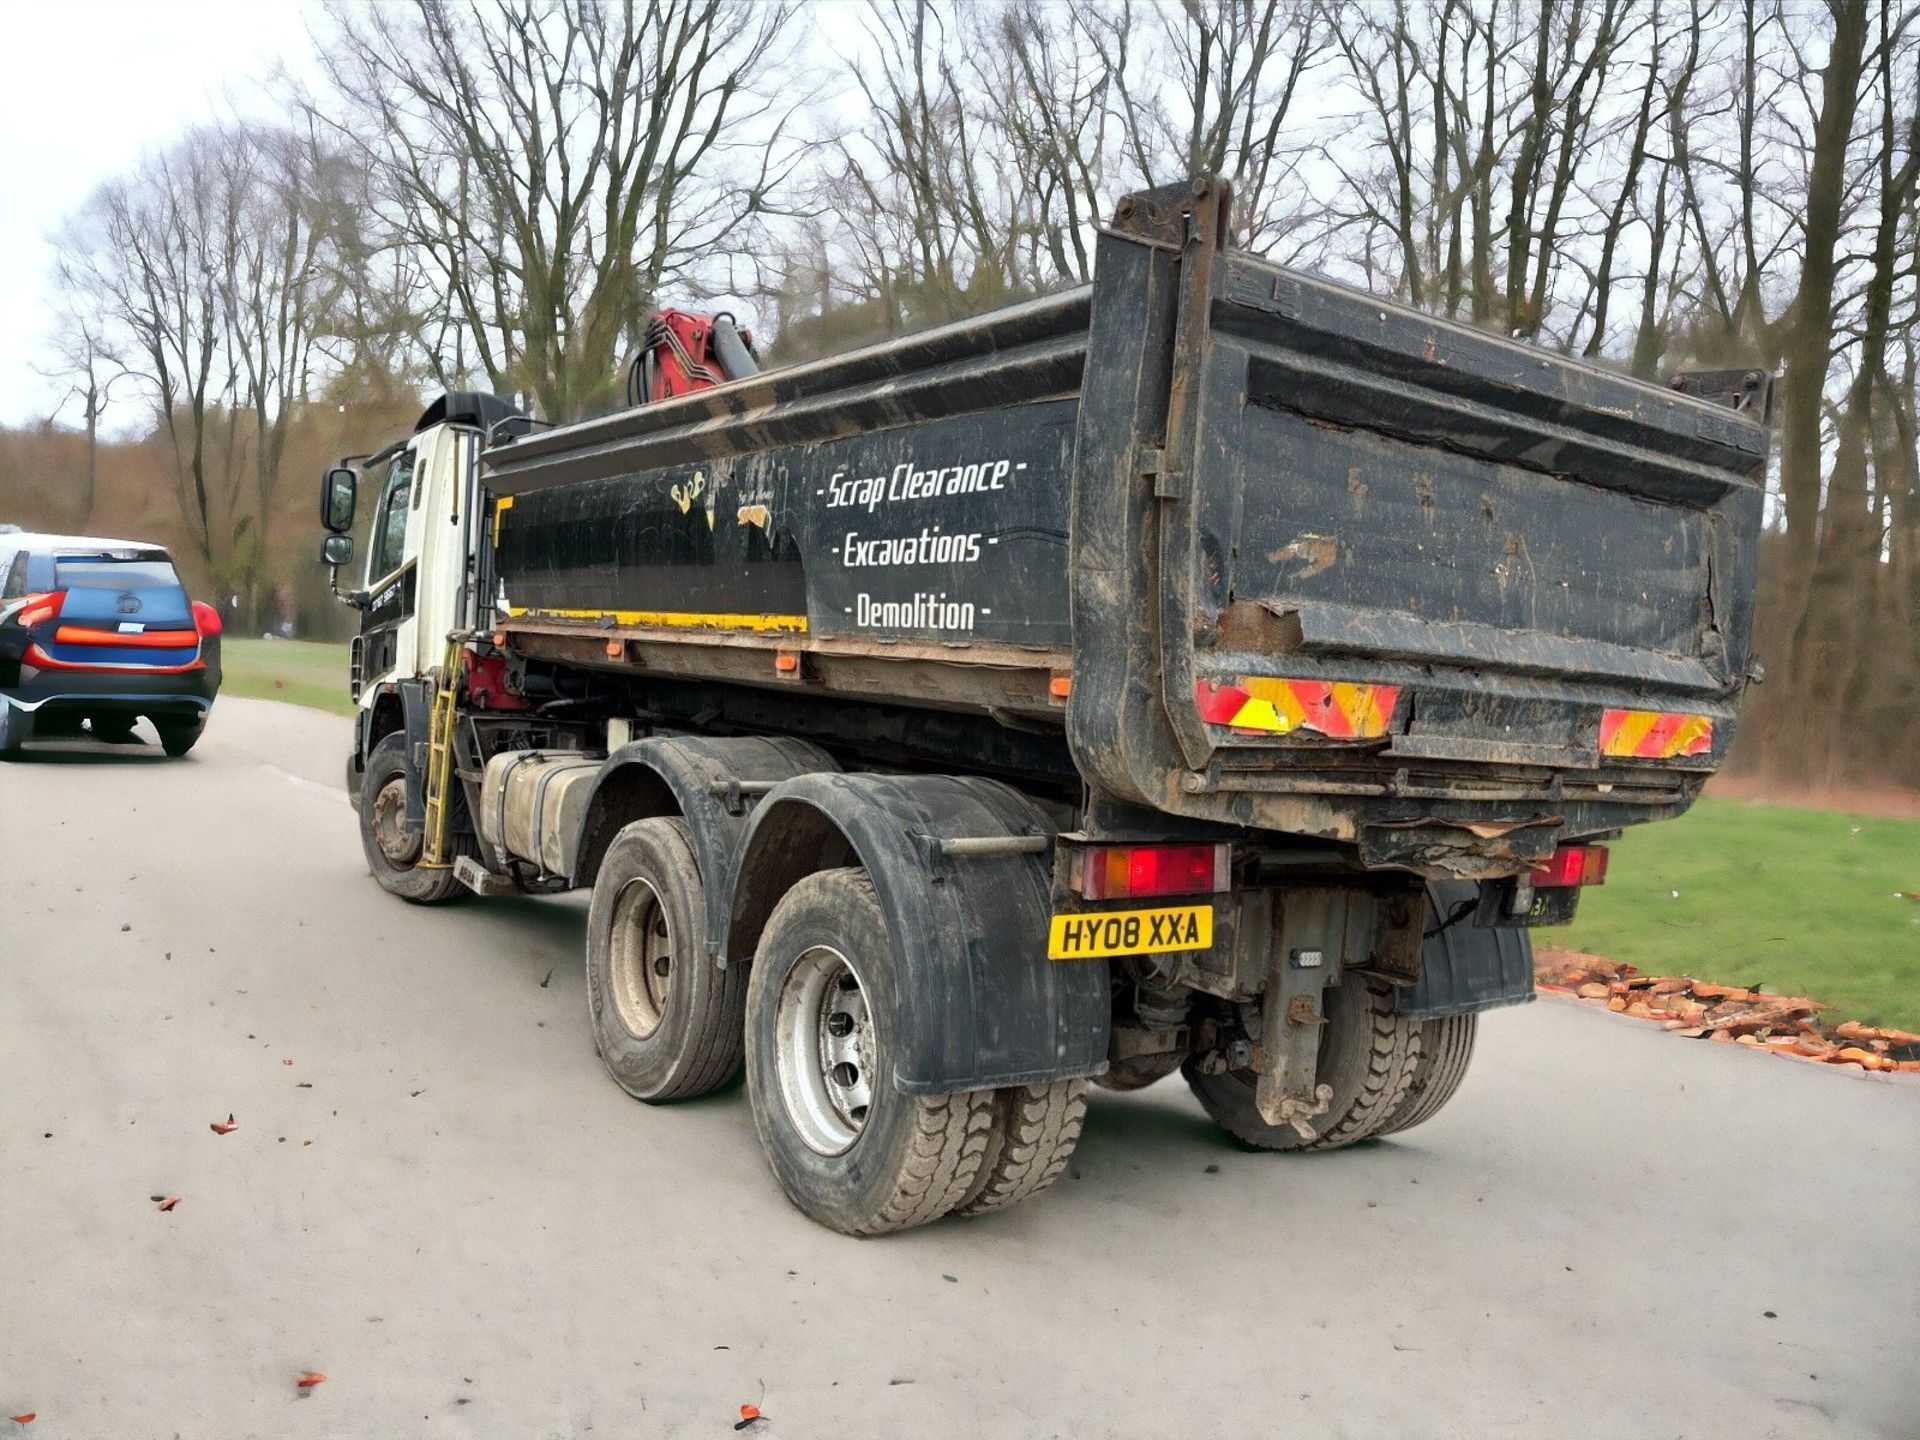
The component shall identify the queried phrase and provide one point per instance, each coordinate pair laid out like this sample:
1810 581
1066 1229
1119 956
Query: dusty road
484 1237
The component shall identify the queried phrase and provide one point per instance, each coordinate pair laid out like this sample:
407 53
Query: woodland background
495 195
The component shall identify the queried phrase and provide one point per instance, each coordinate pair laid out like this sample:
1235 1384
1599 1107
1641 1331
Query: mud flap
980 1005
1465 967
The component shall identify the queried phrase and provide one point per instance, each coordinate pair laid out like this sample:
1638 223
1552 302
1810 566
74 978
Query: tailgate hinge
1167 484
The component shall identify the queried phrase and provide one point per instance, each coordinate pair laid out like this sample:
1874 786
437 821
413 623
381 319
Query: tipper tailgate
1377 562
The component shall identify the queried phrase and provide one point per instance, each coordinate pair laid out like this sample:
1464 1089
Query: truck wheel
1446 1048
1367 1055
666 1019
1035 1128
393 853
13 729
851 1149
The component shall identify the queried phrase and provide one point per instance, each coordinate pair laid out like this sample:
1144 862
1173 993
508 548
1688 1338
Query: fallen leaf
224 1127
25 1418
749 1412
287 1061
169 1203
1854 1030
310 1379
1721 992
1863 1057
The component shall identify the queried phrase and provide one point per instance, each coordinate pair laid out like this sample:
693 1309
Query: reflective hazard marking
1338 709
675 619
1654 734
1091 934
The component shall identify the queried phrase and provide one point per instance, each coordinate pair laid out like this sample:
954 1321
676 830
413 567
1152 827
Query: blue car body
95 634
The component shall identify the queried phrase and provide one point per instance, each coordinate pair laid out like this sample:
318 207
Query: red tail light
206 619
42 607
1127 872
1572 865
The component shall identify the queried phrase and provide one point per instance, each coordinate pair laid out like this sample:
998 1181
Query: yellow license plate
1091 934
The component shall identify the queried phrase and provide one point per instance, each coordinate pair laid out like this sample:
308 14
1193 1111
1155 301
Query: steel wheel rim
642 958
399 847
824 1050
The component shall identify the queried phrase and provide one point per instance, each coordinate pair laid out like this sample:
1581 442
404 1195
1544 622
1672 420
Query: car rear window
107 573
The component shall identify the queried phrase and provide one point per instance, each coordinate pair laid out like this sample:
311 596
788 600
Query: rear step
482 881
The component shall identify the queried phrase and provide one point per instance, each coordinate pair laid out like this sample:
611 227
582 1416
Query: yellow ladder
434 849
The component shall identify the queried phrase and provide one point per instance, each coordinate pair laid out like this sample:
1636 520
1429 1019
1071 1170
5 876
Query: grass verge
302 672
1805 902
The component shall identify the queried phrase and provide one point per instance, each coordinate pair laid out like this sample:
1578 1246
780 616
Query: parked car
95 634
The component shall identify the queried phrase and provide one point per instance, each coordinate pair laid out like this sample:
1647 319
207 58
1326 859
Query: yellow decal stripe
676 619
500 508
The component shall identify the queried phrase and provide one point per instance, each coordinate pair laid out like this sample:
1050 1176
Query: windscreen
83 572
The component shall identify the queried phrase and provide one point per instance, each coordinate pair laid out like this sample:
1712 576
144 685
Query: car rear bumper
184 696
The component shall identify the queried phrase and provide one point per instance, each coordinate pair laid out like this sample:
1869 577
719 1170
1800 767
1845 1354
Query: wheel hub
400 847
824 1050
643 958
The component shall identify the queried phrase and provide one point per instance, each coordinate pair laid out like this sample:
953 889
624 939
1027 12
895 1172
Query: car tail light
1571 865
41 608
1127 872
206 619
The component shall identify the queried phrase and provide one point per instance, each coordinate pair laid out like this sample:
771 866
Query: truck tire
392 853
13 728
666 1020
1035 1128
1368 1054
851 1149
1446 1048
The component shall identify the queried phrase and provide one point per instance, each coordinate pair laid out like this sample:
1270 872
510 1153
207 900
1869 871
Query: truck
1211 668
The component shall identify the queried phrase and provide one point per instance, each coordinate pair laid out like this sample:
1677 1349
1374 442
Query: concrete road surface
471 1232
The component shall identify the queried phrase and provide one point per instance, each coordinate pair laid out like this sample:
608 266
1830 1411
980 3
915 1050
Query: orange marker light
1060 686
786 662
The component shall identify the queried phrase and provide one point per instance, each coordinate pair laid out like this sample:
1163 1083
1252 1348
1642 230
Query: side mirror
339 487
337 550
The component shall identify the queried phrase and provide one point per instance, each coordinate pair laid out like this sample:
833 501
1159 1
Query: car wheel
177 737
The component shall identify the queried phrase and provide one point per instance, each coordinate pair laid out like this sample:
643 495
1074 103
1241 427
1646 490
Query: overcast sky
89 85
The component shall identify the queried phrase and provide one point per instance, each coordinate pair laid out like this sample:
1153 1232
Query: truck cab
424 558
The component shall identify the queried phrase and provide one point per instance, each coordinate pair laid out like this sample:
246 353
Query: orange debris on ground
1782 1024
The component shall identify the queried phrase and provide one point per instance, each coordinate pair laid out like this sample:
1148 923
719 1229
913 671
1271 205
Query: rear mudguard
712 783
980 1005
1463 966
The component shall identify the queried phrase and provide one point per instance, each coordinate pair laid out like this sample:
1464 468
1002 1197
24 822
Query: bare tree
558 164
89 370
146 250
